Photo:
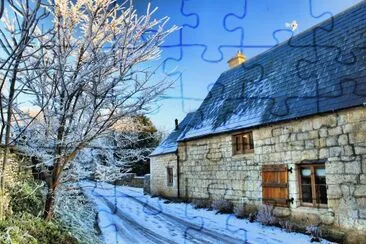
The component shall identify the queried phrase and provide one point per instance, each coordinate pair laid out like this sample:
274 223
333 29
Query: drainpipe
178 173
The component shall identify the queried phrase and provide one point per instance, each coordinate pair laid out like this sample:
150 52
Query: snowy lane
157 227
126 224
192 232
126 215
117 226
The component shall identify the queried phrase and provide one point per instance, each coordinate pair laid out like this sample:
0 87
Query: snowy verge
77 212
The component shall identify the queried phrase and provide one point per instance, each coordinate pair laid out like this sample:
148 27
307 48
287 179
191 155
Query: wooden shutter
275 185
237 144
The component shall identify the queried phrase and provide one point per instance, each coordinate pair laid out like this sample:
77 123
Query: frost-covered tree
125 148
135 145
98 77
20 32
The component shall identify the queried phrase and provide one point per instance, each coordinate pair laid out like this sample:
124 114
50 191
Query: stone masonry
158 175
208 168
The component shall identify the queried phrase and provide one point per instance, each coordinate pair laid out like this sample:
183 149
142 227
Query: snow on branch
95 75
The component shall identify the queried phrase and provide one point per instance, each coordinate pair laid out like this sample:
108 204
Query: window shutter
238 144
275 185
246 144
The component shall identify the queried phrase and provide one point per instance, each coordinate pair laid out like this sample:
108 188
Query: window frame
314 198
169 182
237 139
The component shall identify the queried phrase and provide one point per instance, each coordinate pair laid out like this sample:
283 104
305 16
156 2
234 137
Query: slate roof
320 70
169 145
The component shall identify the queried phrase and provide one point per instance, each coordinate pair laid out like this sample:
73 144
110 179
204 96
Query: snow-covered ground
126 215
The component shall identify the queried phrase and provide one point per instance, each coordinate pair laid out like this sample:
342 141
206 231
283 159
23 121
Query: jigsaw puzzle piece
316 10
345 59
211 16
266 87
235 230
268 12
177 16
175 96
352 91
321 35
271 23
338 39
186 63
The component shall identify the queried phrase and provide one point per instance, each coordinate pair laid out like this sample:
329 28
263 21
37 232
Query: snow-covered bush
26 228
201 203
265 215
75 210
222 206
286 225
315 233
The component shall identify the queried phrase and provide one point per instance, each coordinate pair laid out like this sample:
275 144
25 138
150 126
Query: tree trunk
51 194
50 202
52 184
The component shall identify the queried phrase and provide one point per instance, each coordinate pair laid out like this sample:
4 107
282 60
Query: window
169 176
243 143
275 185
313 188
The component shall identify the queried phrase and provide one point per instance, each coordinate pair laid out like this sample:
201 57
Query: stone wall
147 184
130 179
16 170
158 175
209 169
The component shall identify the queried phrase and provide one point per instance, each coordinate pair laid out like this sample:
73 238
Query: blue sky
213 31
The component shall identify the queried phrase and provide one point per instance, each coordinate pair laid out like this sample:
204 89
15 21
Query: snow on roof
169 145
320 70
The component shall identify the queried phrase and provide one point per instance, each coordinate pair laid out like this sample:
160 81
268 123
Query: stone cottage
286 127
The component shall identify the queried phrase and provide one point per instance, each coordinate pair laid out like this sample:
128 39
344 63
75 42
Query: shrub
13 234
201 203
75 211
287 225
245 211
252 217
27 197
27 228
315 233
223 206
265 215
240 212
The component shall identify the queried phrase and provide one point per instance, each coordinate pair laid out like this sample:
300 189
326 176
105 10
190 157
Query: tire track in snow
188 228
150 235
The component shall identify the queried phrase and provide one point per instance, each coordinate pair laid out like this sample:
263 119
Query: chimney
176 124
238 59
